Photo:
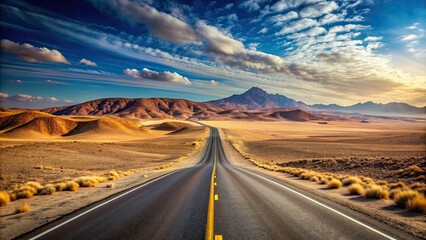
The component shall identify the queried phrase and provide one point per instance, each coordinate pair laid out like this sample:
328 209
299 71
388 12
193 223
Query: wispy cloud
29 53
55 82
88 62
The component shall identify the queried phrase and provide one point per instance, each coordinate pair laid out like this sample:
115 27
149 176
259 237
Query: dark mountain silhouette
371 107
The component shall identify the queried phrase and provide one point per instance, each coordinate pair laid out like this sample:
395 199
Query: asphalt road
215 199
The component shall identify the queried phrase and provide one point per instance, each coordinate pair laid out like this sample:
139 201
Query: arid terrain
389 150
44 148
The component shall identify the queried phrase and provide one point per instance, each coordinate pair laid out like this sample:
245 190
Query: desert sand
377 149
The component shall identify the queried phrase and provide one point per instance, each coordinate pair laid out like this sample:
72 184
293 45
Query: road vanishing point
215 200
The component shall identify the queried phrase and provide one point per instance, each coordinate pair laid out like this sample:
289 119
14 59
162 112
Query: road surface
215 200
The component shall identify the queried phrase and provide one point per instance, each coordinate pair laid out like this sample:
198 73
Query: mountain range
257 98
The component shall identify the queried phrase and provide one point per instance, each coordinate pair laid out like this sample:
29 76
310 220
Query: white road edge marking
323 205
98 206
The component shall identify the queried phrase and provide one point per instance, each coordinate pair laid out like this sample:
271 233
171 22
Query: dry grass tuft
37 186
60 187
356 189
417 204
71 186
351 180
402 197
23 208
376 192
48 190
335 183
4 198
314 179
110 185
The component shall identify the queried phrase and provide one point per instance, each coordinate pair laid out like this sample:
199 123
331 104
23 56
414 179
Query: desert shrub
23 208
376 192
196 144
48 190
356 189
4 198
324 180
71 186
60 186
12 196
417 204
37 186
402 197
335 183
314 179
110 185
25 192
351 180
415 168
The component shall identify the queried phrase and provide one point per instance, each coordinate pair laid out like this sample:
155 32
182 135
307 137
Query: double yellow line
212 198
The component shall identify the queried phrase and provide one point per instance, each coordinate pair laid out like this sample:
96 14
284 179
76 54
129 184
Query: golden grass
36 185
417 204
110 185
351 180
4 198
402 197
49 189
335 183
356 189
376 192
60 186
23 208
71 186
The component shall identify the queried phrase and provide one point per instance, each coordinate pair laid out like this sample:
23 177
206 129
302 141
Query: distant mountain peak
257 98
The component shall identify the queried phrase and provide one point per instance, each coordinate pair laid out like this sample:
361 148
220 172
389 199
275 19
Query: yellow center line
210 211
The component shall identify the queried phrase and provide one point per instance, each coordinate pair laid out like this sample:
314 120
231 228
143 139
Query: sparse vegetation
23 208
351 180
71 186
49 189
4 198
335 183
417 204
404 196
376 192
356 189
110 185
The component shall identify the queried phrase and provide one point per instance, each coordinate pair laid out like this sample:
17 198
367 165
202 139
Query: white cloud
319 9
229 6
372 39
166 76
88 62
286 4
213 82
251 5
298 25
29 53
414 26
28 98
409 37
315 31
263 30
284 17
160 24
347 28
55 82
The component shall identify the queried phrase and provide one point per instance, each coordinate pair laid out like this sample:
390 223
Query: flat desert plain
392 150
47 159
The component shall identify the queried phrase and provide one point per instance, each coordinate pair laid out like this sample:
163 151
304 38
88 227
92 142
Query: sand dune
15 120
106 125
44 126
37 124
172 126
294 115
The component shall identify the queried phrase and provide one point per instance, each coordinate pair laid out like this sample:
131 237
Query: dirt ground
382 150
50 160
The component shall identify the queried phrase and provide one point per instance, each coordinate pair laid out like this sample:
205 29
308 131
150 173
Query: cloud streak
29 53
88 62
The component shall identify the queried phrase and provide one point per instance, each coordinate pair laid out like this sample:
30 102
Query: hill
15 120
43 126
257 98
294 115
105 126
144 108
371 107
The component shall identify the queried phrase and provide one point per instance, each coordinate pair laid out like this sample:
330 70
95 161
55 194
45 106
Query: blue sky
64 52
